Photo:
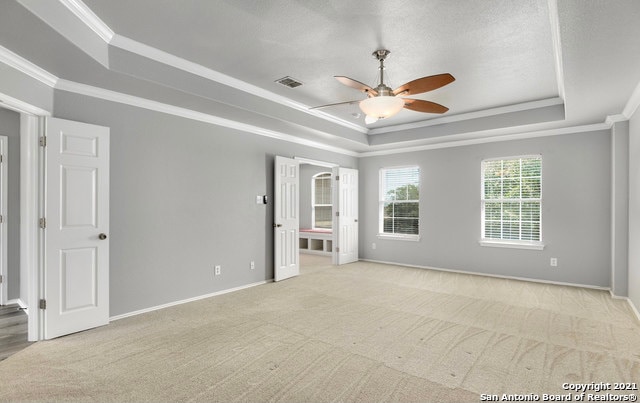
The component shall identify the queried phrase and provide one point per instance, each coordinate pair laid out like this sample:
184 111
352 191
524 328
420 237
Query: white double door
287 219
76 227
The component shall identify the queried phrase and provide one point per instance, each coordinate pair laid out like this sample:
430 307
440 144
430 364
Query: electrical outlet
373 245
259 199
252 265
553 262
217 270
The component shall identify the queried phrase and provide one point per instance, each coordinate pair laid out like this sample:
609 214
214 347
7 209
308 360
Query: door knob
277 225
102 236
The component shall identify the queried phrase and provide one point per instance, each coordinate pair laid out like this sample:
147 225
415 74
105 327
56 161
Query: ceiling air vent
289 82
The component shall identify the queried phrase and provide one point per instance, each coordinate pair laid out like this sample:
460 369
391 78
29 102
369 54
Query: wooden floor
13 330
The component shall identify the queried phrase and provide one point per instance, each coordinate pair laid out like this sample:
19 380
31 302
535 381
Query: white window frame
509 243
381 202
313 200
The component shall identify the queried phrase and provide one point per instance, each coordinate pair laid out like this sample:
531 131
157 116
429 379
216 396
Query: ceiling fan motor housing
383 91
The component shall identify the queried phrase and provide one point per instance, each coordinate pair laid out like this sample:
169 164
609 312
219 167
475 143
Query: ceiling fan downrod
382 89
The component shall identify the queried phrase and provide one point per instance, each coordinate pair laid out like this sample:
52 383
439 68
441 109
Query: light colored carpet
363 332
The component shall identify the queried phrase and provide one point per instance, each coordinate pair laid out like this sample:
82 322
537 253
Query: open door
76 271
346 215
286 220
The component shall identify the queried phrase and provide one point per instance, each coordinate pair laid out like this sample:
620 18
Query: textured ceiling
501 52
521 66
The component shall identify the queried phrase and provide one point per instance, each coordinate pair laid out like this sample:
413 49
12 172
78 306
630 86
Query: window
511 202
400 203
321 200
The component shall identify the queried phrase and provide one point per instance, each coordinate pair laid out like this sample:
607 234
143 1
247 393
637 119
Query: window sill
512 244
399 237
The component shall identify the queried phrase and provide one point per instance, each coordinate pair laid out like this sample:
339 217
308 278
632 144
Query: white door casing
77 226
346 217
286 218
3 220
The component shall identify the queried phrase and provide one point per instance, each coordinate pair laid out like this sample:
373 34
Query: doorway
316 207
328 210
30 159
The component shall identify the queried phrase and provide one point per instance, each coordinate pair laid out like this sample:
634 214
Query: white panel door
286 225
346 219
3 220
77 225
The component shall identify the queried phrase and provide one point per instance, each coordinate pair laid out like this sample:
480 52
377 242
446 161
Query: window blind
512 199
400 200
322 203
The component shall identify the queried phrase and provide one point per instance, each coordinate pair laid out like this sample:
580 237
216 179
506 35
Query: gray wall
634 209
306 173
183 199
10 127
576 210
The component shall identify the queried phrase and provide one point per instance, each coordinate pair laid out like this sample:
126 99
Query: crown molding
612 119
470 115
19 106
557 45
89 18
113 96
449 141
633 103
169 59
24 66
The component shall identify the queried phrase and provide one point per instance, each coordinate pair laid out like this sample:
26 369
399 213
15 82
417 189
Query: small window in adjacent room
400 203
512 202
321 200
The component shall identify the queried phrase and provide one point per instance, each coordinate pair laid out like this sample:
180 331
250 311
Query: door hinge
337 214
1 279
1 158
337 177
43 141
1 218
43 304
337 249
43 223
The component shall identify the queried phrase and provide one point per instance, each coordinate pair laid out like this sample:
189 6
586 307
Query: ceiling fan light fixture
381 107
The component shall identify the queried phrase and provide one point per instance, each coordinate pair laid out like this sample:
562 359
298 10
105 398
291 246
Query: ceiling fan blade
424 84
350 82
420 105
337 103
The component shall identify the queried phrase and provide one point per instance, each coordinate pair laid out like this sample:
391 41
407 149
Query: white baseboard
184 301
614 296
633 307
22 305
18 302
532 280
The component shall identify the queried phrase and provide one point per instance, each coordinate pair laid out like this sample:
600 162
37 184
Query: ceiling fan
383 102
